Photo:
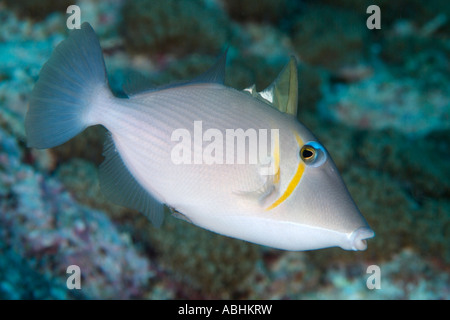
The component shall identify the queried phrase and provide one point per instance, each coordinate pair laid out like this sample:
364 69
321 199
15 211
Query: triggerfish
234 162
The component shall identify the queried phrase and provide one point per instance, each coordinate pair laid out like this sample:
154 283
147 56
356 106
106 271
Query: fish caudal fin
63 96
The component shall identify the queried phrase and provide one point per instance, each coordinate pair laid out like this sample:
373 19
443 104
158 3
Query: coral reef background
379 100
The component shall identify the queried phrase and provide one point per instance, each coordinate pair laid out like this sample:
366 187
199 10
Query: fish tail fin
65 93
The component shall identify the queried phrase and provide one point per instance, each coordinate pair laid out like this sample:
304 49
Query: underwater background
378 99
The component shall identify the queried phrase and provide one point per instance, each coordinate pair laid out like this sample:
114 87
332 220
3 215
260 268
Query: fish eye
308 153
312 153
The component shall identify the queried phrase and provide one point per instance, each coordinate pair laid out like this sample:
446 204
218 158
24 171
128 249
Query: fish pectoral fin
119 185
270 176
262 192
269 173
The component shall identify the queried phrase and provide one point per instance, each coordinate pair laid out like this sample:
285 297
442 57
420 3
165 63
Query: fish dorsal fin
282 94
216 73
252 91
136 83
119 185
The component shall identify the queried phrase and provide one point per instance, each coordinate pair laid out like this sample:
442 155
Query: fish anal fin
119 185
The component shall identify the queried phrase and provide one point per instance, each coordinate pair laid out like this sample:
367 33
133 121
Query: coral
416 168
24 282
284 275
294 275
419 163
80 177
42 223
424 59
334 44
88 145
408 90
386 101
206 265
17 80
418 11
38 9
405 276
245 71
310 81
177 27
260 11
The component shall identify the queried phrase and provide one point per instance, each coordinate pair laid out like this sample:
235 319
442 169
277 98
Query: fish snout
358 238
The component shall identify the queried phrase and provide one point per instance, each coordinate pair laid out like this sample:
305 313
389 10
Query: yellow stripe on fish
276 156
294 181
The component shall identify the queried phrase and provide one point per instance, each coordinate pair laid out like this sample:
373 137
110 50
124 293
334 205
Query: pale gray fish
238 163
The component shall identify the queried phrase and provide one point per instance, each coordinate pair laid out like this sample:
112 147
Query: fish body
180 145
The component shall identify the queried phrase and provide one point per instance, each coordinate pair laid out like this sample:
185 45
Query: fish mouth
359 236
